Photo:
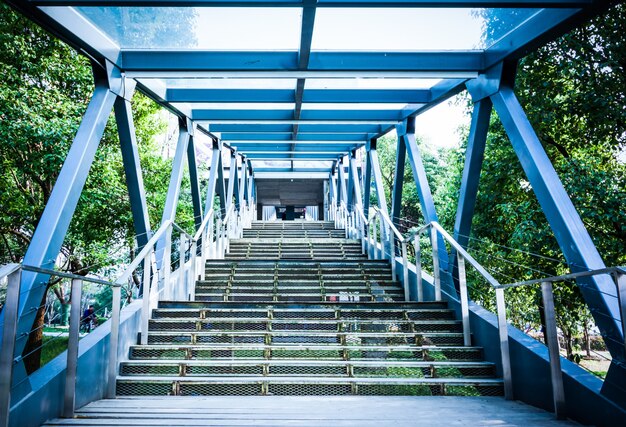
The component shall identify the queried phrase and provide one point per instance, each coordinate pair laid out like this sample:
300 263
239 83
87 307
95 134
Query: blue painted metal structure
310 125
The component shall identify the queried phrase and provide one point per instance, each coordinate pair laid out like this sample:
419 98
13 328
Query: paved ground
310 411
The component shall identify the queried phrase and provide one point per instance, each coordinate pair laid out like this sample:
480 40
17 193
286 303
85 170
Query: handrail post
504 344
192 271
69 396
392 251
182 248
405 271
9 331
145 304
552 339
372 244
436 272
418 268
362 231
113 343
218 239
381 226
467 337
620 282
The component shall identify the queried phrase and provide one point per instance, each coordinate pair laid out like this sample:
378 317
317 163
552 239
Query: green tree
44 92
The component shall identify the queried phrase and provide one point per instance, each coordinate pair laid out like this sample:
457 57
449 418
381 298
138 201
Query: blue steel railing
378 233
160 282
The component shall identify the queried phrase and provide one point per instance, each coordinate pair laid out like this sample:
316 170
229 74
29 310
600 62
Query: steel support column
163 248
378 181
214 173
398 179
242 182
341 184
367 177
354 192
474 155
196 199
426 198
52 227
132 169
232 179
569 230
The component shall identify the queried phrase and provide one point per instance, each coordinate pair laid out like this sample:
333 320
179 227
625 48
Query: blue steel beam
132 170
216 155
305 114
355 184
378 181
569 230
232 179
341 183
418 96
163 247
232 137
474 155
367 182
199 60
398 181
318 127
407 133
196 198
52 227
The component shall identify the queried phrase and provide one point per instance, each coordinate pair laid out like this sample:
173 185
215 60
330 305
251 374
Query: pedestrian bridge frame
304 110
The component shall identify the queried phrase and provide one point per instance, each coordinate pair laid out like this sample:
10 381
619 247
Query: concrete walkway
310 411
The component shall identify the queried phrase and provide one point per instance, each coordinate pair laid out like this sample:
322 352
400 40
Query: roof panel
227 28
407 29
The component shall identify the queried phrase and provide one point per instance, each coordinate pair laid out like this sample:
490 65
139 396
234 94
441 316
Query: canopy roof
304 80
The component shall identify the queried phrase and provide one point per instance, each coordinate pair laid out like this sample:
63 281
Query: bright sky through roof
339 29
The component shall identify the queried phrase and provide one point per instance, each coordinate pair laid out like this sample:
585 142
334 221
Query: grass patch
52 347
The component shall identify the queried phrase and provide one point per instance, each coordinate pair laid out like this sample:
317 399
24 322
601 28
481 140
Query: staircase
297 309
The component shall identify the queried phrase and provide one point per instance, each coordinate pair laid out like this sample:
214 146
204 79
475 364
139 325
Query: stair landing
310 411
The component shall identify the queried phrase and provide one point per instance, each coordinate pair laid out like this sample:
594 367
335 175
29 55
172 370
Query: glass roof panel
398 29
366 83
354 106
234 106
200 28
223 83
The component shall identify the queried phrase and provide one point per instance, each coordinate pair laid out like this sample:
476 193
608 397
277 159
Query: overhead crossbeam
287 115
203 60
309 95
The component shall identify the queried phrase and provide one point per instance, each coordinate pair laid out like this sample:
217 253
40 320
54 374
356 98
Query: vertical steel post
436 272
392 250
620 282
398 180
367 177
553 349
356 183
192 272
182 248
405 271
232 179
467 337
145 303
214 178
69 396
503 333
113 341
9 331
418 268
